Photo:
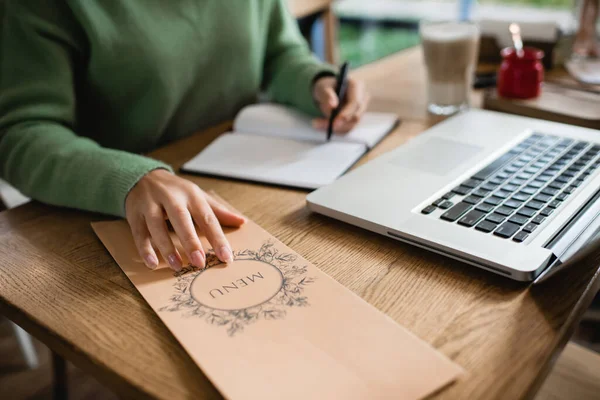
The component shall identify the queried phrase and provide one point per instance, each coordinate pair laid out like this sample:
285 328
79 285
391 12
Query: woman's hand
161 193
357 100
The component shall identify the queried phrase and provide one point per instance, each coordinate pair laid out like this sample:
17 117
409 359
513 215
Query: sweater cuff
125 179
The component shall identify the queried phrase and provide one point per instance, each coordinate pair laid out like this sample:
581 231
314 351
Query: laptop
512 195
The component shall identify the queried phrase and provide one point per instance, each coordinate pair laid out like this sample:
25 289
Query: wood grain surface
58 282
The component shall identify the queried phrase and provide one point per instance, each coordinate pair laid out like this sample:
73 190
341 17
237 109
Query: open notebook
277 145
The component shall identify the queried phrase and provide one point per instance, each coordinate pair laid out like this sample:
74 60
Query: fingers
182 223
355 105
347 123
141 237
325 96
352 110
206 219
160 236
320 123
327 100
226 217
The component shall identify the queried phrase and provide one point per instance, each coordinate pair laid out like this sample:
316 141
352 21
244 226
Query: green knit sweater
87 84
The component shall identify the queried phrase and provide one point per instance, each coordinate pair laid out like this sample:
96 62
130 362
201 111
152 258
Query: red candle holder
521 77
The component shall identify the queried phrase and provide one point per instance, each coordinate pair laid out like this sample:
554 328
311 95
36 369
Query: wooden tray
562 100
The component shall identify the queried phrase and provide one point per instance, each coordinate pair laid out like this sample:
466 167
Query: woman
85 85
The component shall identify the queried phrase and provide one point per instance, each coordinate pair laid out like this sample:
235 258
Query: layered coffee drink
451 50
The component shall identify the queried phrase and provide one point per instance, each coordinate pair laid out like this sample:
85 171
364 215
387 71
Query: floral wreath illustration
291 293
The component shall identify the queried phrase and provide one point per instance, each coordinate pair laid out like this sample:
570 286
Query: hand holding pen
349 110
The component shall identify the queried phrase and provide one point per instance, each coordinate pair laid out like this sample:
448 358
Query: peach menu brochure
270 325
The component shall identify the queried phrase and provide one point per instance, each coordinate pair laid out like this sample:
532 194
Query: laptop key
518 219
503 194
543 178
493 200
462 190
524 175
538 219
506 211
513 203
521 236
510 187
486 226
472 183
530 227
472 199
495 218
536 205
521 196
456 212
438 202
446 205
531 170
562 197
544 198
535 184
480 192
449 195
471 218
577 182
526 211
484 207
554 203
556 185
570 189
529 190
547 211
506 230
495 165
428 210
550 191
491 185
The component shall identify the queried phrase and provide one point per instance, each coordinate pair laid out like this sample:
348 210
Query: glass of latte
451 50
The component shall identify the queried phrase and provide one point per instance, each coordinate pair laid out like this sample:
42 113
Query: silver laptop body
470 158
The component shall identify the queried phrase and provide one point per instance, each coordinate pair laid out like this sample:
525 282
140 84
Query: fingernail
174 262
198 259
225 254
151 261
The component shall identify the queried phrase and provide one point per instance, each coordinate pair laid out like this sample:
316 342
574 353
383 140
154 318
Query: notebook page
270 119
276 160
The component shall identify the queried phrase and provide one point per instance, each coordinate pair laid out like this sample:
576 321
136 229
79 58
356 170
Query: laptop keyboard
515 193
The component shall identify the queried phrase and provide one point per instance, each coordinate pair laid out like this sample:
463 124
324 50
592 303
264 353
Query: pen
340 90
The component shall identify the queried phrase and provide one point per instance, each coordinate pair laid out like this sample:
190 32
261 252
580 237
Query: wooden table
58 282
303 8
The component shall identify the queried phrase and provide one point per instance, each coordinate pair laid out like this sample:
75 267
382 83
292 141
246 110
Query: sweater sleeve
41 51
290 67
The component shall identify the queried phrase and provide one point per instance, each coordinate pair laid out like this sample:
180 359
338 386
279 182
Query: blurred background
370 30
365 31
